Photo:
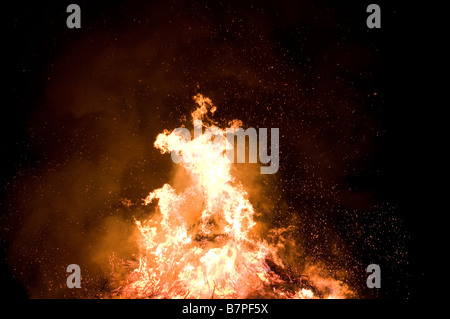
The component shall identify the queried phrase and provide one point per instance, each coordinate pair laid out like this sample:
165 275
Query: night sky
82 108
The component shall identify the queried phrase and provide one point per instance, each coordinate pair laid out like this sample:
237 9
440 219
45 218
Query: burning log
198 242
291 279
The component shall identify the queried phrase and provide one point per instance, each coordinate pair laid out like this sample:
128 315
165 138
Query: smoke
112 92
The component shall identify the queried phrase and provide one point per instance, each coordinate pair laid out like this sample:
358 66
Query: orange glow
201 242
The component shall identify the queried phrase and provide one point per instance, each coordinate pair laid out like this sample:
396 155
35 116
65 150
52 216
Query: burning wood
200 242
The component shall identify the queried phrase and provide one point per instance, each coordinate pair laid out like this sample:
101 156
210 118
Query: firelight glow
201 242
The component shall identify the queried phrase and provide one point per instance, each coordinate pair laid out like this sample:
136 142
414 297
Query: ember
201 242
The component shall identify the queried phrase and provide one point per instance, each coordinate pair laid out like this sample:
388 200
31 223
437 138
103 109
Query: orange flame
200 243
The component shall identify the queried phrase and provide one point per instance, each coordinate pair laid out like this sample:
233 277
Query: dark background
341 94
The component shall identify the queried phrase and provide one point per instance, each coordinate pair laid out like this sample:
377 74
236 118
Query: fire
200 242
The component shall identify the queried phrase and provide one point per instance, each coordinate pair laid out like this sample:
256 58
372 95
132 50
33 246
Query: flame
201 243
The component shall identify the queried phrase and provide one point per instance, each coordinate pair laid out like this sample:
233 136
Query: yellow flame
200 245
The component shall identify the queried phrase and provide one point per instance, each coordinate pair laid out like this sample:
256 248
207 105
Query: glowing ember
201 243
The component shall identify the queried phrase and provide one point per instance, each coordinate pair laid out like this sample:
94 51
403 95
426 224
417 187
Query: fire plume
200 242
